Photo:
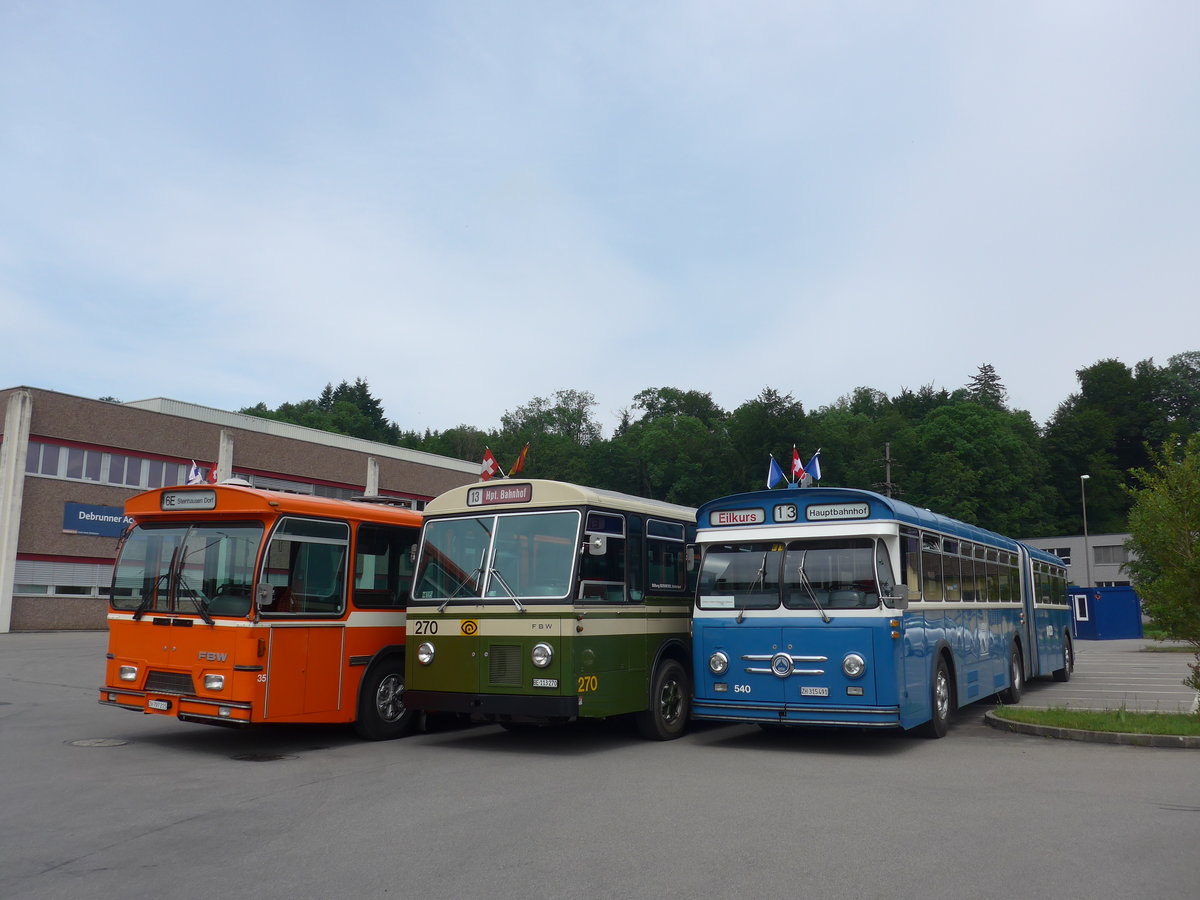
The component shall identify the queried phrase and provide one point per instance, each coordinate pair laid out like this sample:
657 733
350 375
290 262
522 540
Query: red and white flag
491 468
212 474
797 466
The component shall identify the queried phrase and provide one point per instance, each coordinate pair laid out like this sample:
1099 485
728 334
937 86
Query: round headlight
425 653
541 654
854 665
718 663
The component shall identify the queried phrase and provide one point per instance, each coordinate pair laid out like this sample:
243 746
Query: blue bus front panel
781 671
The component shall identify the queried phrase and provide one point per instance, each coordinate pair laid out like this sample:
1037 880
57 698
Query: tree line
962 452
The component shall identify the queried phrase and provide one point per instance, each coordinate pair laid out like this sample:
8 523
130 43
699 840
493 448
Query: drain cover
99 742
261 757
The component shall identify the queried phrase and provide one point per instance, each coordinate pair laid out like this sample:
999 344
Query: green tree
1164 522
348 409
986 387
770 424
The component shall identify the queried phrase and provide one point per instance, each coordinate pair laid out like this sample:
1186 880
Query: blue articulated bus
840 607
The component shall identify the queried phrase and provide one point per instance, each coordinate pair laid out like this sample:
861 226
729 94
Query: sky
472 204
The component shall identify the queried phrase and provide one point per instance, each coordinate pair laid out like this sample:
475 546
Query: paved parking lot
1122 674
97 802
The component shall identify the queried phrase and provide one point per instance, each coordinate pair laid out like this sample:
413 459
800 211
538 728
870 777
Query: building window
1111 555
1063 553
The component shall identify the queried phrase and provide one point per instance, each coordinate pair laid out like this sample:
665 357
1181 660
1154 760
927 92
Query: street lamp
1087 558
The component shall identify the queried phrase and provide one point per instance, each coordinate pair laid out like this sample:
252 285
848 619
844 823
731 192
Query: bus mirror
597 545
899 600
690 556
263 595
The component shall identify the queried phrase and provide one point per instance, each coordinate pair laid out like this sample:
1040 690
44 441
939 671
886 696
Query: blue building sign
103 521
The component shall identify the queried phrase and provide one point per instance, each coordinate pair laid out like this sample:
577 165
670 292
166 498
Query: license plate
814 692
159 704
545 682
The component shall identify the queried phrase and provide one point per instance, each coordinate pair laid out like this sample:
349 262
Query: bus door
610 641
1028 628
305 570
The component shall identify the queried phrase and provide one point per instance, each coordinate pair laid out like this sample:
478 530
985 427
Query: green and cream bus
541 601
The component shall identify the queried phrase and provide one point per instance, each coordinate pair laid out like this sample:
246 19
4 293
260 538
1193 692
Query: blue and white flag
195 476
814 466
774 474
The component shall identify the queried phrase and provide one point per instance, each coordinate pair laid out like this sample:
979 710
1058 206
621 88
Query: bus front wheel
941 696
670 703
381 715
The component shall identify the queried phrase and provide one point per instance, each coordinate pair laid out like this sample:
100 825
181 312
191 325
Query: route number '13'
785 512
588 683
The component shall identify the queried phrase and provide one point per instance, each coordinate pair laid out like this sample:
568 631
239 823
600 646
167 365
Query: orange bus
232 605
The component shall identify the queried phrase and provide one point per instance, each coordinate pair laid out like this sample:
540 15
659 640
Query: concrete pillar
224 463
372 477
15 447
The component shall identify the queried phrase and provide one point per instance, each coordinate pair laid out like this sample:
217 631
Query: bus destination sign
490 495
830 512
737 517
185 500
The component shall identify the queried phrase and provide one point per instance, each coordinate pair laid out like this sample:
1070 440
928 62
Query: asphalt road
99 802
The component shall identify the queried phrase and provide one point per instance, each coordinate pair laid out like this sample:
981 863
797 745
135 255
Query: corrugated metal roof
244 422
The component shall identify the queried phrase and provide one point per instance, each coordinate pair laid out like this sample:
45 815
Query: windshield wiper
760 581
462 584
808 589
492 570
198 599
152 594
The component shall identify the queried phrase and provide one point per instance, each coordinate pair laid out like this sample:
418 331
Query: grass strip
1121 721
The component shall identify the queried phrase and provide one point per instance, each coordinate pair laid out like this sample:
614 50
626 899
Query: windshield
826 574
498 557
200 569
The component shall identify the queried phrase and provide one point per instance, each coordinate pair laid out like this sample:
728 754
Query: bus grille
504 664
170 683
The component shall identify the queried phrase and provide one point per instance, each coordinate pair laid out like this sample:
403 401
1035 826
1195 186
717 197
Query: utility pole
887 486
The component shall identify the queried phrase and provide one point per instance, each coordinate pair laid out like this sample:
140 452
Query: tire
941 695
381 715
670 703
1064 674
1011 695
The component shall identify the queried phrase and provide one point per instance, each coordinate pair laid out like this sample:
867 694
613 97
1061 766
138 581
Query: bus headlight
127 673
425 653
541 655
214 682
718 663
854 665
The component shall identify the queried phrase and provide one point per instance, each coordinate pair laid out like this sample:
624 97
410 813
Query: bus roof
880 507
536 493
216 500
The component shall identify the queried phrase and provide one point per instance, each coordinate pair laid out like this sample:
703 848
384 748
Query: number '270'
588 683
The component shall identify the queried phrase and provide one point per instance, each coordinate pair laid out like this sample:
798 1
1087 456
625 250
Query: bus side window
910 563
306 565
383 566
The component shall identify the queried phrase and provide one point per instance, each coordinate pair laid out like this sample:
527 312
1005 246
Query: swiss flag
490 468
797 466
212 474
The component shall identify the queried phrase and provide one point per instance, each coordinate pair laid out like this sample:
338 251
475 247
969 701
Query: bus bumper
184 708
797 714
515 705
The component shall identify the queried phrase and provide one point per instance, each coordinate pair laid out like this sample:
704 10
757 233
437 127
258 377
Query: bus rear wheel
670 703
381 714
1068 666
1016 678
